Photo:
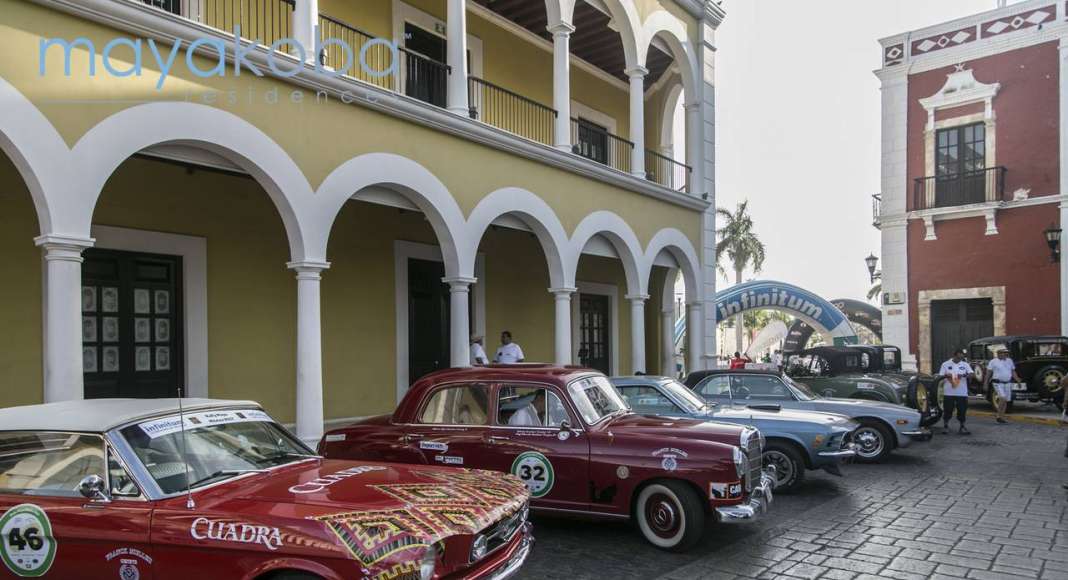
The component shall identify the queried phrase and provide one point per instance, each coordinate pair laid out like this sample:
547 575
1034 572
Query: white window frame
406 13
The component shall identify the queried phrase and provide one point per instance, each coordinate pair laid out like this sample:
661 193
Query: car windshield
801 390
686 398
596 398
216 445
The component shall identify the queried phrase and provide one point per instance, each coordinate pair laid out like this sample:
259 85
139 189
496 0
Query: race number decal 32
26 542
535 471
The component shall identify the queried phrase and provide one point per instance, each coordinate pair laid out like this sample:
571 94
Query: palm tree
740 245
875 291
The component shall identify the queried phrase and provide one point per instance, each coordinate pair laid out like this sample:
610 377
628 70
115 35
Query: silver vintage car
883 426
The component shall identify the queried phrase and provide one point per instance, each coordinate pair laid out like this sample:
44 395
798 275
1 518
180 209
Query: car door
755 389
648 400
528 437
715 389
451 426
48 527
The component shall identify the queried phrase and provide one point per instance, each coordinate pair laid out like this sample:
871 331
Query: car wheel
873 441
670 515
789 467
1048 382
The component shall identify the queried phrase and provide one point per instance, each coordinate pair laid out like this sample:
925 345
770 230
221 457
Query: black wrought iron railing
510 111
597 144
423 78
984 185
264 20
667 172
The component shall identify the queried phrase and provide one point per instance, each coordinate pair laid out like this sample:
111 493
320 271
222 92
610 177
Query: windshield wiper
288 454
224 473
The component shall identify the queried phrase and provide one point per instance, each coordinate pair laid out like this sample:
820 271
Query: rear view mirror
92 487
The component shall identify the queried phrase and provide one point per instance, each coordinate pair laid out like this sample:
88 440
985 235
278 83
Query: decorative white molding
996 294
194 253
987 210
961 88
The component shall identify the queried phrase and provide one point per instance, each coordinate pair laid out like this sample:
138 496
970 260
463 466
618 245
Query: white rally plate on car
26 542
536 471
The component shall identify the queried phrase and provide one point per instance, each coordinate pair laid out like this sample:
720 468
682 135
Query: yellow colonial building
317 211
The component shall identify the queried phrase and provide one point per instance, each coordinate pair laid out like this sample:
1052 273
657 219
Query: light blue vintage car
794 440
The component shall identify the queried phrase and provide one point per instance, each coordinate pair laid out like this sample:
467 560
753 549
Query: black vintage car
1041 362
864 372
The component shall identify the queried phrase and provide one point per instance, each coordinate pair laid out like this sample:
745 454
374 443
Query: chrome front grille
755 454
504 530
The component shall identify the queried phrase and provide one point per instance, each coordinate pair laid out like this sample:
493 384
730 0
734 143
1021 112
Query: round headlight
428 564
741 463
479 548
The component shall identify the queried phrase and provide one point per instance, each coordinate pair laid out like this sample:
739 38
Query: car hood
783 416
853 407
677 427
369 505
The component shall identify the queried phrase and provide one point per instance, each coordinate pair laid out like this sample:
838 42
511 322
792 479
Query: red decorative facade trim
1014 22
893 55
946 40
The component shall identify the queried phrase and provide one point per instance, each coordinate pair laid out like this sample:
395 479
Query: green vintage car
857 372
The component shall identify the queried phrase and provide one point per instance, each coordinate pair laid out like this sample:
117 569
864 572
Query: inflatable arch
799 303
856 311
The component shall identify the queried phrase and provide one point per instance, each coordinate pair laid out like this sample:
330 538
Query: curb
1051 421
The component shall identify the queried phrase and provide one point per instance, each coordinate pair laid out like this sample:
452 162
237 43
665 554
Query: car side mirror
565 426
93 488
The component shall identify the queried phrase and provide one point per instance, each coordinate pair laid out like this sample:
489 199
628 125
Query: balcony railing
597 144
667 172
264 20
984 185
877 210
504 109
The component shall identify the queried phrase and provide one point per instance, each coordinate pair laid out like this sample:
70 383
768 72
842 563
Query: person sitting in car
530 412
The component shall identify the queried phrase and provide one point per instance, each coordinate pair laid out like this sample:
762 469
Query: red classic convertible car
569 435
129 489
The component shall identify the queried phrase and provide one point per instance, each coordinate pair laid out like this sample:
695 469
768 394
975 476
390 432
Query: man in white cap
955 388
478 354
1001 372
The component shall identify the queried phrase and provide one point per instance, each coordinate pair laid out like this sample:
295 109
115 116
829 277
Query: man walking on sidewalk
955 391
1001 373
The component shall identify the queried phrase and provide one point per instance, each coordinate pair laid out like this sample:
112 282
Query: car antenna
189 503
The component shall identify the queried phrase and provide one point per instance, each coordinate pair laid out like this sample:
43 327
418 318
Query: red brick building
972 157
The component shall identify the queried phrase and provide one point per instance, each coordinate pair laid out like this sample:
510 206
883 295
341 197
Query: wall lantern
1053 240
873 261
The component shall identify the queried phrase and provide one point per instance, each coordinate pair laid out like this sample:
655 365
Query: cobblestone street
985 506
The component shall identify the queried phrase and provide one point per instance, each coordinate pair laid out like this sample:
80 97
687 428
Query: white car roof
100 415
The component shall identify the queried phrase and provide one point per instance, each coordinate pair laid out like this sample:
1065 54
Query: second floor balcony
414 63
959 189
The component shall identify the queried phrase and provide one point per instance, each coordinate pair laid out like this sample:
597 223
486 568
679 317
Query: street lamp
1053 240
872 261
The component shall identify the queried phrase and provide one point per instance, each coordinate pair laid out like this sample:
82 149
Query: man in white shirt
530 414
955 391
1001 372
478 354
509 352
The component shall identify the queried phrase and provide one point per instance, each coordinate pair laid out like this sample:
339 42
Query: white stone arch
667 119
621 236
537 215
676 243
39 154
107 145
406 178
662 24
624 16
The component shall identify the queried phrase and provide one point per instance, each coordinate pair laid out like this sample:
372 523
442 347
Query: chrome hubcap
869 441
784 468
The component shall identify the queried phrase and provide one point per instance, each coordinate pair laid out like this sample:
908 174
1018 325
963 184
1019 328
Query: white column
63 379
637 331
562 336
637 119
459 321
695 148
694 348
305 20
309 351
667 340
1064 175
456 47
561 32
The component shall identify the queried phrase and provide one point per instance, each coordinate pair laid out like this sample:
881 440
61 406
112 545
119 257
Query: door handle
497 439
409 437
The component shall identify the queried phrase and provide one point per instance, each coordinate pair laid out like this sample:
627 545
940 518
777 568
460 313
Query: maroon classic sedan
568 434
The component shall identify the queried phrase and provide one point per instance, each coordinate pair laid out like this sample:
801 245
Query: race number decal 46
535 471
26 542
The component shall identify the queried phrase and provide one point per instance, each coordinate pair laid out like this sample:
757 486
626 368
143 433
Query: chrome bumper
518 557
846 452
759 500
917 434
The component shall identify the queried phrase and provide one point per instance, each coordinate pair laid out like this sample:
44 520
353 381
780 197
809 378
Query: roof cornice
704 10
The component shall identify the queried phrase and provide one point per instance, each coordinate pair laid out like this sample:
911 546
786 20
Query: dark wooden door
428 318
426 81
131 324
955 323
592 141
594 332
